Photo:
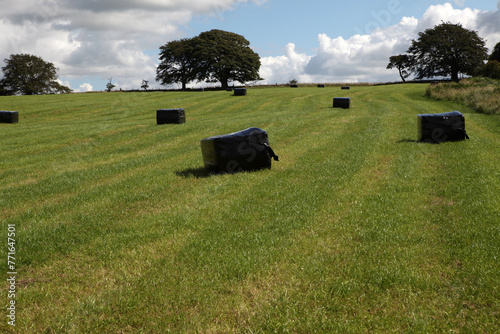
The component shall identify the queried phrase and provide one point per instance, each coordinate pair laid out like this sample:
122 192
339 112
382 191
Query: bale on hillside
439 128
170 116
240 91
9 116
342 102
239 151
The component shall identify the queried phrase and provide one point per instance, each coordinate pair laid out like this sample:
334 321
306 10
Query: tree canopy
30 75
403 63
495 55
215 56
178 62
447 49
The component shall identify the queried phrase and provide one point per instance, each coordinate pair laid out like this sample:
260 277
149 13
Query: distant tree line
447 50
213 56
220 56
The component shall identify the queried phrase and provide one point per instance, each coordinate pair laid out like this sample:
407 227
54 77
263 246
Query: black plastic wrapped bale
345 87
321 86
342 102
170 116
294 86
245 150
439 128
9 116
240 91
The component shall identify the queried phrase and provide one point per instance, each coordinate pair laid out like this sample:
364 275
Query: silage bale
294 86
240 91
439 128
239 151
170 116
342 102
321 86
345 87
9 116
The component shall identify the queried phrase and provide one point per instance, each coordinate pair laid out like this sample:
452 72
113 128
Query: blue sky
272 25
310 41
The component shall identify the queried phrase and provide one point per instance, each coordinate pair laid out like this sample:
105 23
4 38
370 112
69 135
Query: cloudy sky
91 41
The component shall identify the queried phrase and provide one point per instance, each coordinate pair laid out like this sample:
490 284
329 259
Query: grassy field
358 228
481 94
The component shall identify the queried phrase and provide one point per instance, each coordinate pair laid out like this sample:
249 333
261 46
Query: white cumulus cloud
86 87
100 38
363 58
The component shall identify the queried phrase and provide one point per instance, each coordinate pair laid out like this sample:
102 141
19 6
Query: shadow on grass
201 172
198 173
427 141
407 140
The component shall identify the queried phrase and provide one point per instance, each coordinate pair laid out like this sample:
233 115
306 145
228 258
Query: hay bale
170 116
439 128
239 151
321 86
9 116
345 87
240 91
294 86
342 102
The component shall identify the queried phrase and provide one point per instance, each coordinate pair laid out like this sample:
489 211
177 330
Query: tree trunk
454 75
401 75
224 83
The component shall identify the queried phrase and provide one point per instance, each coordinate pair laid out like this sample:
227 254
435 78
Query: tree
495 55
447 49
225 56
30 75
109 85
145 84
492 69
178 63
403 63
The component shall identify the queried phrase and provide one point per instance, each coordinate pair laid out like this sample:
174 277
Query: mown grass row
358 227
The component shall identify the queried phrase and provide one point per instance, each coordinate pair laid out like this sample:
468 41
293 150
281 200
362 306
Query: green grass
358 228
481 94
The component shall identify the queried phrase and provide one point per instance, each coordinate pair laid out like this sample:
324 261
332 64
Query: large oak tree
447 50
214 56
178 63
30 75
226 56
